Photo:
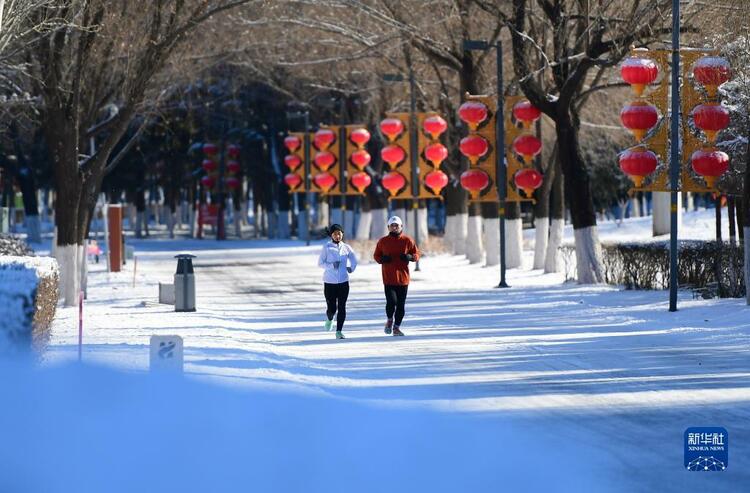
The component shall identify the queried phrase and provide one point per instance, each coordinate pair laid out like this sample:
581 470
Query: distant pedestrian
339 260
394 252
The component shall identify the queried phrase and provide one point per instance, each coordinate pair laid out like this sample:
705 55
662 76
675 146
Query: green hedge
707 266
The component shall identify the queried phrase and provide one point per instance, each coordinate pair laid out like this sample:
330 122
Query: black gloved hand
349 270
384 259
407 257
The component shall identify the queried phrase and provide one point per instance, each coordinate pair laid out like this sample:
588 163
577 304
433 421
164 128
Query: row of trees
98 70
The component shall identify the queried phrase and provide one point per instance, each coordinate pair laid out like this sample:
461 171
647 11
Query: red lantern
233 167
436 153
527 146
639 117
207 182
710 164
639 72
324 138
359 137
360 181
474 180
325 181
526 113
436 181
210 149
392 155
360 159
209 165
711 72
528 180
474 147
393 182
232 183
473 113
293 180
292 161
638 163
391 128
292 142
233 151
711 118
324 160
434 126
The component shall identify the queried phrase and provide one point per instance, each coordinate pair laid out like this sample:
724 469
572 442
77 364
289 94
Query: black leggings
336 294
395 299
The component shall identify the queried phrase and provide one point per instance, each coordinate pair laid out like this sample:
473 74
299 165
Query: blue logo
706 449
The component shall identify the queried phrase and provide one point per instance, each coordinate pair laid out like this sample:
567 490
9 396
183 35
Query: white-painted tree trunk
322 219
474 246
541 237
170 222
378 227
348 224
513 243
283 229
552 258
588 256
83 268
364 225
132 214
461 233
449 233
424 231
33 229
238 225
660 205
635 207
70 278
690 205
140 219
492 241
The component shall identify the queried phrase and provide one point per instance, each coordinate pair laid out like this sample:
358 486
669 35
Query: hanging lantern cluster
474 146
210 166
393 155
711 118
233 168
435 153
293 161
528 146
639 116
324 159
360 158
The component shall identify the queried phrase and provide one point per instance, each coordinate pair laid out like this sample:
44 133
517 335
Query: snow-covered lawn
600 381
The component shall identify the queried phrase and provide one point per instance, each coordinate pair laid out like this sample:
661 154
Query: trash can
184 283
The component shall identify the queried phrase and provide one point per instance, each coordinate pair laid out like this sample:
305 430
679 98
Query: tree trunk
456 221
746 220
491 228
541 214
581 204
474 247
513 235
731 217
557 223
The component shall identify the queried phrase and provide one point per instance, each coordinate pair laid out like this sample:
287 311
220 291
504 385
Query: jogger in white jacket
339 260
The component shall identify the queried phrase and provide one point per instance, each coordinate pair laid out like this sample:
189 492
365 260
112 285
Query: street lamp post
413 151
500 164
674 164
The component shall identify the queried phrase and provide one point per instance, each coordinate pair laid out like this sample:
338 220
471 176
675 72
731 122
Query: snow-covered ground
542 387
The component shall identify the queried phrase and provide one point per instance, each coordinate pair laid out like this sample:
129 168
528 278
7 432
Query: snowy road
611 370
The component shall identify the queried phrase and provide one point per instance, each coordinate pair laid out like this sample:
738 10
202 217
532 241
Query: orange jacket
395 272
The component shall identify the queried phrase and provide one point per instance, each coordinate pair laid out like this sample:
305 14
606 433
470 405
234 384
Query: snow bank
86 429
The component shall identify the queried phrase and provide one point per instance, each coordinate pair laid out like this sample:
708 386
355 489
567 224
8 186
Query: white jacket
336 252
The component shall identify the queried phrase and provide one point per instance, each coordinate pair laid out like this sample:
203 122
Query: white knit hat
395 220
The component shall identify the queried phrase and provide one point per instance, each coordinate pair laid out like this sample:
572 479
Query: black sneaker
388 325
397 332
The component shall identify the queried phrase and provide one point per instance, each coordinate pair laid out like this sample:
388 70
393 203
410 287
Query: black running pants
395 299
336 295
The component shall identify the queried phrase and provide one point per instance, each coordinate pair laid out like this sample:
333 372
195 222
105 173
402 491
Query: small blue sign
706 449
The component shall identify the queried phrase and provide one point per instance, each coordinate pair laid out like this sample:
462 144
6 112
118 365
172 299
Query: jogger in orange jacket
394 252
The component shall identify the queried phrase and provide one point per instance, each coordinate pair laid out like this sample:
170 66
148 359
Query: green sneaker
328 324
339 335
